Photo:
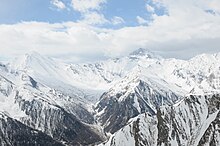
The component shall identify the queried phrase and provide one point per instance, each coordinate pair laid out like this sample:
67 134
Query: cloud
149 8
117 20
94 18
87 5
188 29
90 11
59 4
141 20
59 39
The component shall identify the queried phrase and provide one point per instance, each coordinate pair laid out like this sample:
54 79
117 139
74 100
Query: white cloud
94 18
150 8
87 5
59 4
90 11
141 20
186 31
50 39
117 20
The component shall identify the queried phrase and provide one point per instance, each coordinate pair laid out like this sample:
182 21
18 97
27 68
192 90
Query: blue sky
88 30
12 11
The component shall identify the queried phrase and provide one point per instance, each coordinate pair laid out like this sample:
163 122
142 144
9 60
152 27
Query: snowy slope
91 79
102 75
44 109
53 74
141 130
135 94
90 99
152 83
193 121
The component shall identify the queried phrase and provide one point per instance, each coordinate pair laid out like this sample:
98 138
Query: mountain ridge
107 96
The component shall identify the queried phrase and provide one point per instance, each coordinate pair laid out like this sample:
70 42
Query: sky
90 30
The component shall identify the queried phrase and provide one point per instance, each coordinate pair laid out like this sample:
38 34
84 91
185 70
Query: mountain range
141 99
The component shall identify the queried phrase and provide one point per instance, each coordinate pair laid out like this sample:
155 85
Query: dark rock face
195 121
117 113
163 129
186 124
57 116
14 133
211 136
56 122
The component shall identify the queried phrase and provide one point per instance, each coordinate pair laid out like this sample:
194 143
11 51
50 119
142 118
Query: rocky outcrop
115 110
14 133
193 121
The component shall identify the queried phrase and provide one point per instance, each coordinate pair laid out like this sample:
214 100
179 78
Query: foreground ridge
193 121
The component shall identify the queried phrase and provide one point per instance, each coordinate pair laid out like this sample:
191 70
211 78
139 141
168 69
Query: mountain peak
146 53
32 61
25 60
32 54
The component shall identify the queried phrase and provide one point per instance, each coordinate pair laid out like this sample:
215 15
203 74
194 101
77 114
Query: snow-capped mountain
127 97
191 122
154 82
67 119
135 94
